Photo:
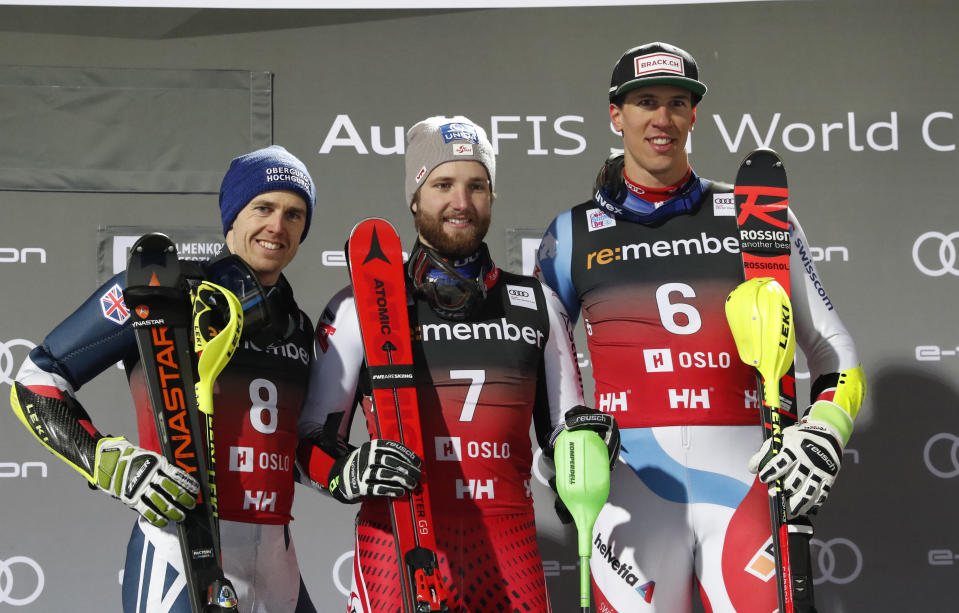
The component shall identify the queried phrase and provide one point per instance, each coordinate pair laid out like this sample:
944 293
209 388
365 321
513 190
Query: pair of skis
182 350
375 259
760 317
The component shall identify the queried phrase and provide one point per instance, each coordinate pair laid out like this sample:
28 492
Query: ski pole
582 482
214 349
760 318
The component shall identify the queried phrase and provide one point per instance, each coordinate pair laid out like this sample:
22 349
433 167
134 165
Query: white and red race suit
684 509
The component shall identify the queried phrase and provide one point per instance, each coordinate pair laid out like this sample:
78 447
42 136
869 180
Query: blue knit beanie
264 170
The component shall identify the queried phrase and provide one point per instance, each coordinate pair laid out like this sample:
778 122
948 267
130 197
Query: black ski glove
377 468
585 418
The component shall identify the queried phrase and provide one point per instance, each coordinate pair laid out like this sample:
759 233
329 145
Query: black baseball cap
656 64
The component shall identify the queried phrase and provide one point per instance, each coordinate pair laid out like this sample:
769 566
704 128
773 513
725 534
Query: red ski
375 259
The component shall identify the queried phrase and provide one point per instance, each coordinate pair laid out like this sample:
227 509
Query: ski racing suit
684 509
479 384
258 397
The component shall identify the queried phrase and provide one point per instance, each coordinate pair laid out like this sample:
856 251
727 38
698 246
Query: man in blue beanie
266 202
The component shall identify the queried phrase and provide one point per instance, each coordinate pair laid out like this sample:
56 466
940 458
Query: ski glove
580 418
378 467
808 464
145 481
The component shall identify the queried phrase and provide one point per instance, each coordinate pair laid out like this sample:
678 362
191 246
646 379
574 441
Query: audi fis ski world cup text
565 135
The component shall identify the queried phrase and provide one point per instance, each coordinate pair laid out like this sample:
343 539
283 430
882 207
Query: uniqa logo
7 371
946 250
32 576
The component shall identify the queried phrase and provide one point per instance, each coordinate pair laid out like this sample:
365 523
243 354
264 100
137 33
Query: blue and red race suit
258 399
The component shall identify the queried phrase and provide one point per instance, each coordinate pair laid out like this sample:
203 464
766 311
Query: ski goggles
449 291
235 275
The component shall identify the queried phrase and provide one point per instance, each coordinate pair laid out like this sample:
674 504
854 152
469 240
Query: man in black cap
649 260
266 203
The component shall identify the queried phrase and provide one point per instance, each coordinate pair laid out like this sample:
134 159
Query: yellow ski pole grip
760 317
214 347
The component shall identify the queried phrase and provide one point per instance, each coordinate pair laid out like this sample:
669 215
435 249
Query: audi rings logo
944 245
19 575
839 560
7 362
949 460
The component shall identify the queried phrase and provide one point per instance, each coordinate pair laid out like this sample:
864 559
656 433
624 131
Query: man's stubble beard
461 245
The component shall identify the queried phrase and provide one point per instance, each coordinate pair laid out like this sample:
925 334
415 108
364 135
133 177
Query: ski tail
760 317
161 309
375 259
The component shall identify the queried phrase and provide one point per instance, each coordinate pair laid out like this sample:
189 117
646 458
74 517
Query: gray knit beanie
437 140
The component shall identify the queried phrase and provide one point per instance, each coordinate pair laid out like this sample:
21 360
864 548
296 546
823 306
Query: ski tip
153 241
371 220
762 157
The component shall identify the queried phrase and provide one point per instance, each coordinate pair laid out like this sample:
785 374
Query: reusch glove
808 464
580 418
376 468
145 481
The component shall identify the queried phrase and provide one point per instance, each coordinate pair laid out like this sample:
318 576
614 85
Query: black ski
762 209
163 322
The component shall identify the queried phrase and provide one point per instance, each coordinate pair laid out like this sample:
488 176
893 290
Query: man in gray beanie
266 201
493 355
439 151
